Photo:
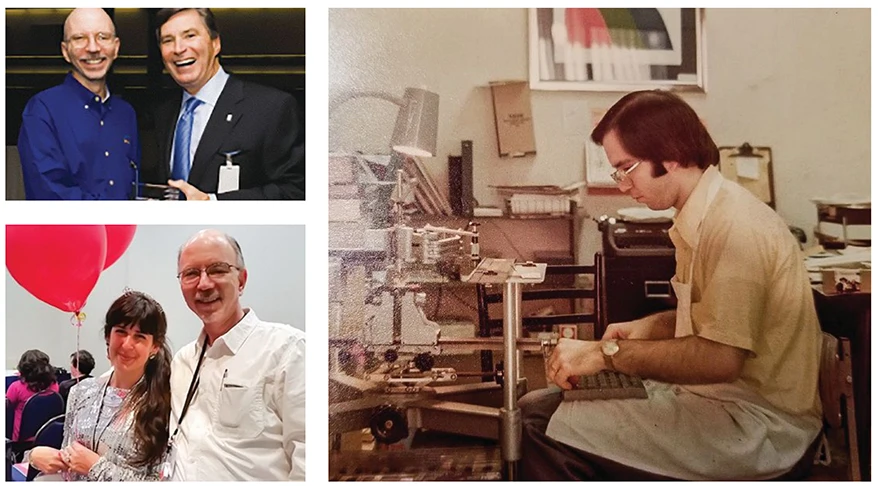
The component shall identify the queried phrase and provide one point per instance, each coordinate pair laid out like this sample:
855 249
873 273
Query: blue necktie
182 137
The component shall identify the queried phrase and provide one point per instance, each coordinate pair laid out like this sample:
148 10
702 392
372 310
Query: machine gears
391 356
388 424
424 362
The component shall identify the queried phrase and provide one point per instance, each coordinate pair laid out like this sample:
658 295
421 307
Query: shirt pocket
241 408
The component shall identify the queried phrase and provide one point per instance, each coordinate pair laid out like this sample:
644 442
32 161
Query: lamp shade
417 123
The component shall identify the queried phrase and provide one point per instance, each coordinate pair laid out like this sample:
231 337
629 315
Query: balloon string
77 320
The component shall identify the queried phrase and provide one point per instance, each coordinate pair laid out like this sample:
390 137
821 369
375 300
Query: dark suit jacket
264 127
65 386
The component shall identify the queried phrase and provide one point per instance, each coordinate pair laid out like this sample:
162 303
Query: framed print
616 49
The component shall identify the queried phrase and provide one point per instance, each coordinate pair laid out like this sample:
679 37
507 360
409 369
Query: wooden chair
557 292
839 445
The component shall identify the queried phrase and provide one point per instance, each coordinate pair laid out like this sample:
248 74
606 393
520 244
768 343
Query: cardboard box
846 279
513 119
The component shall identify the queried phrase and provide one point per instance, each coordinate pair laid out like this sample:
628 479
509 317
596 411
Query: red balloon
58 264
119 236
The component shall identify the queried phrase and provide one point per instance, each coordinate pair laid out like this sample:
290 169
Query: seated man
81 365
732 372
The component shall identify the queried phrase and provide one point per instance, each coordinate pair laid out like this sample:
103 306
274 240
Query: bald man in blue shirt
78 141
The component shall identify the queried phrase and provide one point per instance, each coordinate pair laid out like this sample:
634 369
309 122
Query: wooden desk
849 315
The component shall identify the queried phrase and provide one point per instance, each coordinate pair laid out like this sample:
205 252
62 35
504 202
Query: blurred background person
81 365
36 375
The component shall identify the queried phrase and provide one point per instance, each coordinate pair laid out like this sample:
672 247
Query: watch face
610 347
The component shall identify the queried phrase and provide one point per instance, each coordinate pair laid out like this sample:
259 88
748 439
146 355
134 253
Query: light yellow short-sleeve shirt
750 290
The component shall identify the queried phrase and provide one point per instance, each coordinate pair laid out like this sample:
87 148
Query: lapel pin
229 117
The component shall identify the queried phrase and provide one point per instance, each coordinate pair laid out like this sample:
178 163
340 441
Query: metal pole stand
510 414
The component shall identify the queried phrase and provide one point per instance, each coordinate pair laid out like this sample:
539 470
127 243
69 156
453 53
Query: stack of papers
847 256
850 257
644 214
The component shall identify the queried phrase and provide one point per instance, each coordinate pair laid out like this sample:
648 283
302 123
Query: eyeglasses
214 271
621 175
81 40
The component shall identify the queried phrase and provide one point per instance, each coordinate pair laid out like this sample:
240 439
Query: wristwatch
609 348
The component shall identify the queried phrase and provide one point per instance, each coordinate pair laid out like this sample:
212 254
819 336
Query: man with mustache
222 137
238 391
77 140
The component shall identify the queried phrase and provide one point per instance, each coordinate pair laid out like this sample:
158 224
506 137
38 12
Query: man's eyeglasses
621 175
81 40
214 271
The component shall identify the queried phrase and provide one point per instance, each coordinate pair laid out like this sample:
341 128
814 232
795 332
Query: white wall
796 80
275 259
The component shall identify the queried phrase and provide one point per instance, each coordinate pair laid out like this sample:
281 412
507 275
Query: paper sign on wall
513 118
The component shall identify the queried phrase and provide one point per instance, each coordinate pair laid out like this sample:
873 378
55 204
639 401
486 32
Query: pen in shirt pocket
229 385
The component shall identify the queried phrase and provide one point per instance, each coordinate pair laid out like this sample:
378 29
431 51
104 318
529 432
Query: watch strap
608 361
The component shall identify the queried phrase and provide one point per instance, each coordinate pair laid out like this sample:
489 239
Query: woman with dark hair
117 426
36 376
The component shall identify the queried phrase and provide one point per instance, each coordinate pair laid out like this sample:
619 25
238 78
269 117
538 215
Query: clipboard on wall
750 167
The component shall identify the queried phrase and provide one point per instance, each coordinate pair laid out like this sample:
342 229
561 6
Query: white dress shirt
246 420
208 94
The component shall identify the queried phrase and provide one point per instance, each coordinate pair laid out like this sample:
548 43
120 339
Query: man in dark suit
81 365
222 137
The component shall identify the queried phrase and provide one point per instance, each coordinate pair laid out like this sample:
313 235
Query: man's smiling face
189 54
90 44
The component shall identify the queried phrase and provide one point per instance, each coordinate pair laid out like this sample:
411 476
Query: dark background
263 45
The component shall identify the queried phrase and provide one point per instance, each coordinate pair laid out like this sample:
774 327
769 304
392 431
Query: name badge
229 175
166 469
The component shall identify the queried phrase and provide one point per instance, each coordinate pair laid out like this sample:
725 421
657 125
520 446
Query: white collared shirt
246 420
208 94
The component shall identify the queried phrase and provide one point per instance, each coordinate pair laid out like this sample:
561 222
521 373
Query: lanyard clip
229 156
